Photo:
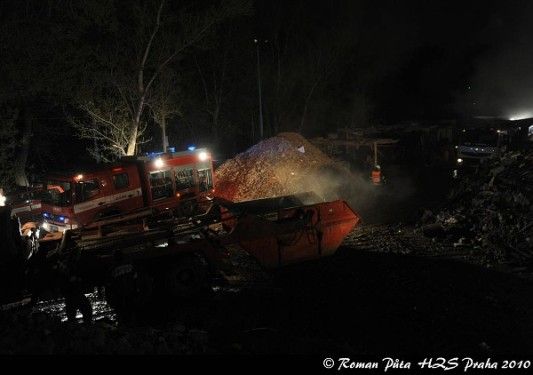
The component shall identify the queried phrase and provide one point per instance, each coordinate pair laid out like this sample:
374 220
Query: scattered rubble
490 210
25 332
281 165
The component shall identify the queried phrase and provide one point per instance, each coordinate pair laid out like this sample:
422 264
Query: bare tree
321 63
156 38
213 79
26 42
166 102
8 133
302 63
107 123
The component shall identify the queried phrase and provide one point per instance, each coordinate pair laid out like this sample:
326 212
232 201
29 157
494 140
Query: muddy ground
388 290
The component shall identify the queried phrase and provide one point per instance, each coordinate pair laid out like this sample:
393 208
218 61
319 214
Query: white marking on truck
89 205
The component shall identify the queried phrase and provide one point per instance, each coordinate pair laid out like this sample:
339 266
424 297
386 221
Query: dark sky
426 59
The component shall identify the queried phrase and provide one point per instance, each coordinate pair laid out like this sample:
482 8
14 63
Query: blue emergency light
153 155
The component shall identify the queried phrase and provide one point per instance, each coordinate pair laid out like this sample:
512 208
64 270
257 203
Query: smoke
385 203
502 84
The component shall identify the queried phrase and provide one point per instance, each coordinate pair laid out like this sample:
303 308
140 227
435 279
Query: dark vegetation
112 77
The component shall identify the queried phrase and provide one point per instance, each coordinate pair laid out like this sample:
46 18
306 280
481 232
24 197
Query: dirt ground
366 302
388 290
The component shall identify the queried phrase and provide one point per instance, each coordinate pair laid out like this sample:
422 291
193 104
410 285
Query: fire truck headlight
459 161
159 163
202 156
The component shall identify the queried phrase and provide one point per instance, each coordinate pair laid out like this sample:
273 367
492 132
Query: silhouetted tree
145 38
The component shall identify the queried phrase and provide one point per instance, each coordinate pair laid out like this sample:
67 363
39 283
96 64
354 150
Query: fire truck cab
25 203
181 182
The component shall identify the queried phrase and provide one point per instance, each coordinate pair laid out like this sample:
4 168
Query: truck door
90 199
185 183
205 180
126 193
161 187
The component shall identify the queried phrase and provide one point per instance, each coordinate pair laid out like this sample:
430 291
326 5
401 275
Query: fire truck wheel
186 278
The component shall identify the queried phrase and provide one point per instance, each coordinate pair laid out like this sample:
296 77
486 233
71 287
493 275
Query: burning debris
491 211
281 165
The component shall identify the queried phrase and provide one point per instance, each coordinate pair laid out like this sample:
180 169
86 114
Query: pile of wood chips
281 165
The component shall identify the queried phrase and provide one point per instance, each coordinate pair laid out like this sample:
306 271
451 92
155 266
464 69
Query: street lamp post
256 41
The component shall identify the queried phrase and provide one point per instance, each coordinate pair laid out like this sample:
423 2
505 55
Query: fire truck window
184 178
121 181
161 185
205 179
58 193
86 190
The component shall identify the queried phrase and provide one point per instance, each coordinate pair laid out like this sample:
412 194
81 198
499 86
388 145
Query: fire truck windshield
58 193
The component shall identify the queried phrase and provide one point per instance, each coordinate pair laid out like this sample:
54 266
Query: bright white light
459 161
521 116
79 177
2 200
202 156
159 163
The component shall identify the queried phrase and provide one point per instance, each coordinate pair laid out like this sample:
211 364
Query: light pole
256 41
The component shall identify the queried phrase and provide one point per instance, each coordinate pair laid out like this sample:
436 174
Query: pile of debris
23 332
281 165
490 211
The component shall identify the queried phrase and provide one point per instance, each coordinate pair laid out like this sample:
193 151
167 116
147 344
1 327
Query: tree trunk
132 144
306 105
215 124
163 125
21 178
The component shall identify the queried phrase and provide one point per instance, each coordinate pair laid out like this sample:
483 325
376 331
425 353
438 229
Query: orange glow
56 187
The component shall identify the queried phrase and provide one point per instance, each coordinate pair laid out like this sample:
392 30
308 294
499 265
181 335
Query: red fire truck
178 182
25 203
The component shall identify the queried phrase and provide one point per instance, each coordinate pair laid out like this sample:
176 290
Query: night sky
324 65
425 59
